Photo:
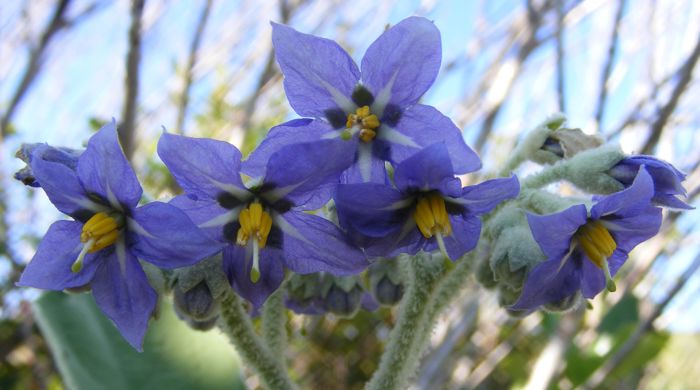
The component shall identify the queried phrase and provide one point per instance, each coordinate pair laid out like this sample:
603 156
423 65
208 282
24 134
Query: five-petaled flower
427 210
667 179
375 110
262 224
585 250
102 246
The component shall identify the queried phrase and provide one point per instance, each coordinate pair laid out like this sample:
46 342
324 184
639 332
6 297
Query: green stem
236 324
274 325
548 175
410 335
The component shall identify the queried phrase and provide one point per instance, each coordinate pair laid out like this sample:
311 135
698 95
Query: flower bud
589 170
564 143
514 253
342 295
385 281
196 303
484 274
565 304
304 294
61 155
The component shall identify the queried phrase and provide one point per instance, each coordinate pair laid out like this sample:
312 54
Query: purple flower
262 224
667 179
376 110
428 209
109 234
585 250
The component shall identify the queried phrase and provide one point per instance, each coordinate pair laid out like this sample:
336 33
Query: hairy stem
236 324
409 337
274 325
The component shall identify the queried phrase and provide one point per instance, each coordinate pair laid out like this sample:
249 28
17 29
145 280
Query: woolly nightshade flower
427 210
667 179
261 224
376 109
102 246
585 250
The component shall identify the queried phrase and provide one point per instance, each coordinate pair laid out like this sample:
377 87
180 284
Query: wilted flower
667 179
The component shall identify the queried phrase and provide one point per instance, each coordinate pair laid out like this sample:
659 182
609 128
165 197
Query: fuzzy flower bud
342 295
196 303
385 282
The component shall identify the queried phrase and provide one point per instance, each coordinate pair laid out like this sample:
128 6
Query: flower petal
314 244
403 62
238 264
372 209
50 268
465 235
483 197
319 76
630 231
207 214
64 189
121 290
421 126
163 235
553 232
547 283
295 172
368 167
292 132
103 169
627 202
207 169
429 169
592 279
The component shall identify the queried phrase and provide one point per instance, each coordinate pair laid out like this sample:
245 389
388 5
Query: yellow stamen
598 245
99 232
256 224
367 122
431 216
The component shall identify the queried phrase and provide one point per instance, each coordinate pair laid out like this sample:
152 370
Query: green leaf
91 354
625 312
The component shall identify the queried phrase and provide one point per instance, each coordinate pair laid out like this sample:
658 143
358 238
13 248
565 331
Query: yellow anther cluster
596 242
99 232
367 122
431 216
255 223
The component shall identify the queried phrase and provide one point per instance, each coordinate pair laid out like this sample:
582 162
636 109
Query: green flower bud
589 170
515 252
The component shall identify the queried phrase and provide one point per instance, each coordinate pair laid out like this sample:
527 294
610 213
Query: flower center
431 216
99 232
365 121
255 225
598 244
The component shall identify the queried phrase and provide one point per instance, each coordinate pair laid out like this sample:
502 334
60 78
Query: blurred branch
607 69
685 76
56 23
183 102
131 82
560 56
643 328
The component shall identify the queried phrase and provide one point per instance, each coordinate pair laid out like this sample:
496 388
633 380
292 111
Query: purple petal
292 132
238 264
547 283
483 197
319 76
421 126
465 234
592 279
104 170
202 166
630 231
64 189
429 169
627 202
121 290
403 62
208 215
295 172
368 167
372 209
163 235
553 232
314 244
50 268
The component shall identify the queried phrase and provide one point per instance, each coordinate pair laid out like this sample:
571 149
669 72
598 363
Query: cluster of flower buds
369 173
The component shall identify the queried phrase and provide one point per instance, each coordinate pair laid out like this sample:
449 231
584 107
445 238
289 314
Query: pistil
99 232
256 225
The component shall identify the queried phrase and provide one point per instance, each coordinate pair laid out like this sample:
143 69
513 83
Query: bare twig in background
607 68
184 97
685 76
131 82
56 23
561 100
643 328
